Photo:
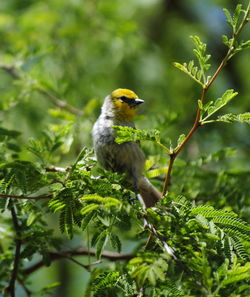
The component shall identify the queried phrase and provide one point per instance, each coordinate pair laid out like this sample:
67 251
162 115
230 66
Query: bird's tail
149 194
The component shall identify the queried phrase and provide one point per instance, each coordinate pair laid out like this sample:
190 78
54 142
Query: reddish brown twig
112 256
56 101
205 89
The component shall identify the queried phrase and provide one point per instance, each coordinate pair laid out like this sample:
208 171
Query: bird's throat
124 112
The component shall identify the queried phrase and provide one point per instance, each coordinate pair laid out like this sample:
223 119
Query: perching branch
166 247
78 252
56 101
205 89
169 251
56 169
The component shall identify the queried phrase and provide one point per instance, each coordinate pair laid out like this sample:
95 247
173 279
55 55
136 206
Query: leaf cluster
198 74
53 212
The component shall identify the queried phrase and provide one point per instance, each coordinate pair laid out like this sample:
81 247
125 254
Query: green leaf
234 222
199 75
212 108
156 172
87 219
239 248
210 212
228 42
200 104
48 290
101 242
190 65
244 45
89 208
95 199
229 17
31 218
202 58
125 134
180 139
189 70
237 13
233 20
148 267
230 118
13 147
115 242
9 133
237 274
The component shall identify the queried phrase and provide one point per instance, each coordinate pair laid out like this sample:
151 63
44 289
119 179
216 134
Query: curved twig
112 256
56 101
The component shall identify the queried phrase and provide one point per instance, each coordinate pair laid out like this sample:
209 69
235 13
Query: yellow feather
123 110
124 92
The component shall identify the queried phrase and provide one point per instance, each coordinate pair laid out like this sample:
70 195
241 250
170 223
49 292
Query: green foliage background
79 51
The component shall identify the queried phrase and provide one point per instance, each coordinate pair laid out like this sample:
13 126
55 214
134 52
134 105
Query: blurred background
80 50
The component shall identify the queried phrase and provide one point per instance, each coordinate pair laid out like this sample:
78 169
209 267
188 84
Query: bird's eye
124 99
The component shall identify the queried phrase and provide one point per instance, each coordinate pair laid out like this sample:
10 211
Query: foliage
55 201
198 74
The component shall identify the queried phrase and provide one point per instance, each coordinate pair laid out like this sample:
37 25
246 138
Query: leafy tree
195 242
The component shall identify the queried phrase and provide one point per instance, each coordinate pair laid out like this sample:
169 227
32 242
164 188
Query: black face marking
126 99
132 102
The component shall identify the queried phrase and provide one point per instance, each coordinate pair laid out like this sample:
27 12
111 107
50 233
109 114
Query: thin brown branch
26 197
56 101
27 291
77 262
13 278
11 70
180 147
168 175
112 256
205 89
195 125
170 252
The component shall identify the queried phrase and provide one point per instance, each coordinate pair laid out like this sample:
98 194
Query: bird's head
125 103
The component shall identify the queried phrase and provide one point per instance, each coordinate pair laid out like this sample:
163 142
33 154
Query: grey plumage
122 158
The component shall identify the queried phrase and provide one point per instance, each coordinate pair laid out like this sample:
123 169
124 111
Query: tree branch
27 291
56 169
168 174
169 251
56 101
166 247
112 256
205 89
11 286
26 197
11 70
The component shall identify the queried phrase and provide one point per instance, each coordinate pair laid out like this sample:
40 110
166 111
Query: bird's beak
138 101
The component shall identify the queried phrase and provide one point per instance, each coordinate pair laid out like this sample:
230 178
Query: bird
120 108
